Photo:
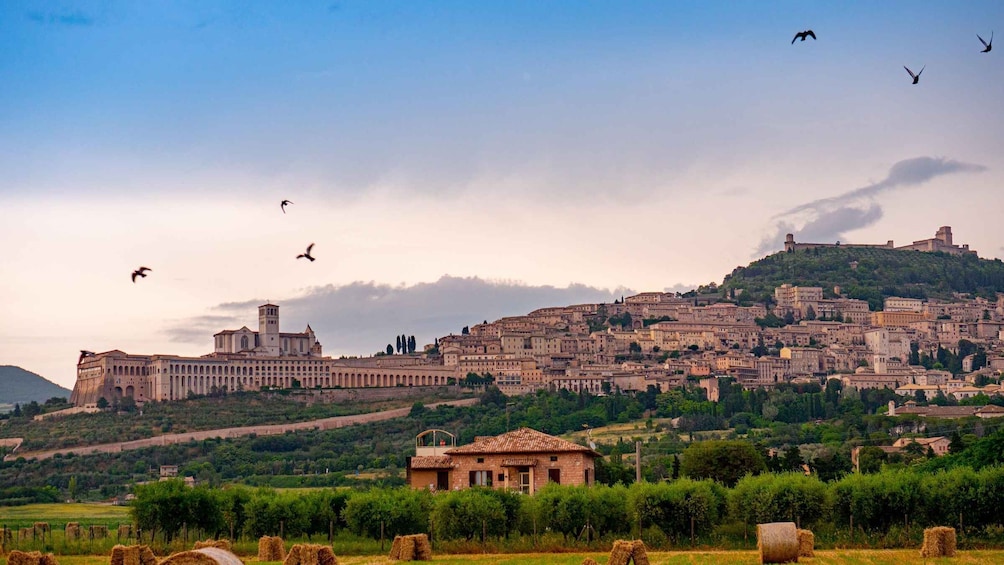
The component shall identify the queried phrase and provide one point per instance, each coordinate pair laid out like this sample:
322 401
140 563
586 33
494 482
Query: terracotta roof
990 408
431 462
523 440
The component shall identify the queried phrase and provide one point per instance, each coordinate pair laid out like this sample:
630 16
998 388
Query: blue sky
614 145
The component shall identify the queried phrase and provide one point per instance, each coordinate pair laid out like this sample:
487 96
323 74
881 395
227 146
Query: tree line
664 513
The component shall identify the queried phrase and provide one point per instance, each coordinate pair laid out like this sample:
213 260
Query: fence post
691 531
381 535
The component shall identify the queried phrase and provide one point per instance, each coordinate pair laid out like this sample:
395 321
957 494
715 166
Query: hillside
20 386
878 273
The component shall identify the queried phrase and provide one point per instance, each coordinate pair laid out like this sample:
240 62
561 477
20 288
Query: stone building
524 460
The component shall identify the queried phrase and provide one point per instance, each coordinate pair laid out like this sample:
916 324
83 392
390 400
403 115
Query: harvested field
823 557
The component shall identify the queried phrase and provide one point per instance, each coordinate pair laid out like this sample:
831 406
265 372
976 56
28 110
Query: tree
17 411
71 488
789 318
390 349
676 466
465 331
792 460
411 344
102 403
956 445
398 346
810 313
722 461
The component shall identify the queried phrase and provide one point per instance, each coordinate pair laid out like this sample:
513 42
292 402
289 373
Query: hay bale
26 534
407 548
41 528
939 541
16 557
423 549
204 556
777 542
310 554
395 548
639 553
133 555
271 549
97 532
6 535
806 543
72 531
589 561
124 531
220 543
621 553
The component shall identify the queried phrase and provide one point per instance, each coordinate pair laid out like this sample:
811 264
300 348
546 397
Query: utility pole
637 461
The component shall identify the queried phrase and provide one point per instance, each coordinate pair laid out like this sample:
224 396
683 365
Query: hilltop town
800 334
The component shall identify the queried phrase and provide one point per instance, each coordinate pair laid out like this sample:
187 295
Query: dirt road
169 439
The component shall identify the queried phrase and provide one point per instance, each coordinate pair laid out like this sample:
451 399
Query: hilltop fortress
942 241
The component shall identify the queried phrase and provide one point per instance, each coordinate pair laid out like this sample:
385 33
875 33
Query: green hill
20 386
869 274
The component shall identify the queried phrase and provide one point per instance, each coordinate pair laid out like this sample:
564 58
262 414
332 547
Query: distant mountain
870 274
20 386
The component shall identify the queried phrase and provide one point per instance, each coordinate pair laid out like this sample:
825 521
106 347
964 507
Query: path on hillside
270 430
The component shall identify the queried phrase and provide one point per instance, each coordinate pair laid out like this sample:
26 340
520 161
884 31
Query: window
481 459
554 458
501 477
554 475
481 478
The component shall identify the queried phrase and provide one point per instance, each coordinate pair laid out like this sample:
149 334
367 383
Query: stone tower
944 234
268 329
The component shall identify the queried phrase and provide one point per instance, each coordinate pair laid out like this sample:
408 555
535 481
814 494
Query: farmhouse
523 460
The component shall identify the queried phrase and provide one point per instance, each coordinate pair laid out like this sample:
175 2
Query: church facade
242 360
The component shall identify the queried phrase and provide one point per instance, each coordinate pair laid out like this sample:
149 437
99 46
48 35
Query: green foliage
790 497
467 514
879 273
722 461
398 511
674 507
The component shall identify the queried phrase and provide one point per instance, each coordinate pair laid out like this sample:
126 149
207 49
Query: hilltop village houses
652 339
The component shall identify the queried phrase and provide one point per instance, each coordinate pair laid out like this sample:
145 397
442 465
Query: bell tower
268 329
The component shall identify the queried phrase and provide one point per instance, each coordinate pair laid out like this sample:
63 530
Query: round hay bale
204 556
271 549
621 553
777 542
806 543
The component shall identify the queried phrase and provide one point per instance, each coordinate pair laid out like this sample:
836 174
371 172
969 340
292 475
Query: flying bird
307 254
283 205
986 46
84 353
916 77
140 272
802 35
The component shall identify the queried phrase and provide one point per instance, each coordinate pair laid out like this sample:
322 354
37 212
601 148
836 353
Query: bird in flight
916 77
802 35
140 272
307 254
986 46
84 353
283 205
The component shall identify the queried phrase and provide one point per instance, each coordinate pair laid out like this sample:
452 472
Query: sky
460 161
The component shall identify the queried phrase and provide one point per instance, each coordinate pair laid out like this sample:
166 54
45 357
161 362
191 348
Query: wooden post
381 536
282 528
691 531
637 461
852 528
331 530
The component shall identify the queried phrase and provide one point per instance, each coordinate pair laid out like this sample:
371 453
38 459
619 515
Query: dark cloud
74 18
827 220
363 317
200 329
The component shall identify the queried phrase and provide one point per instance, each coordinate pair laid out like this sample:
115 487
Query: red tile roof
432 462
523 440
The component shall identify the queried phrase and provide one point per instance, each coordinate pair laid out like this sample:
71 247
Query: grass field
57 515
837 557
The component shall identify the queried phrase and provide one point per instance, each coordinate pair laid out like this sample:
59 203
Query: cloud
200 329
680 287
363 317
74 18
827 220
